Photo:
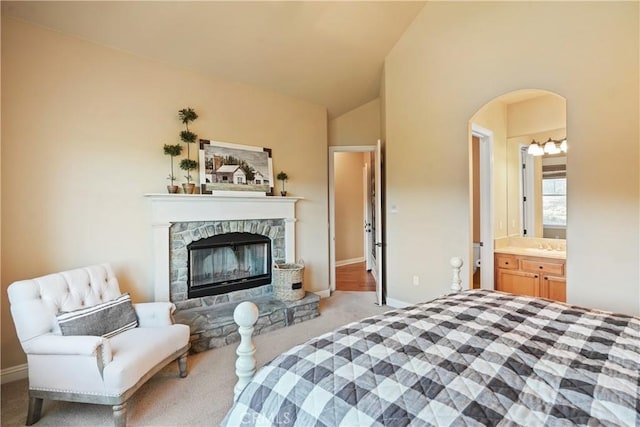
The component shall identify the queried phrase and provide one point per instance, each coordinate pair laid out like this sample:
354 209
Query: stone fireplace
250 233
228 262
184 234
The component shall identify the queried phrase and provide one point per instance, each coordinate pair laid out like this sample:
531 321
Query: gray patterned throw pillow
106 319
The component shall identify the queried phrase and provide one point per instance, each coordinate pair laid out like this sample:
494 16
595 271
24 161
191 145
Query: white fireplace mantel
168 209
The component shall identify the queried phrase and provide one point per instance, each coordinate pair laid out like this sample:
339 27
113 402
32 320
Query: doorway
514 209
352 218
481 268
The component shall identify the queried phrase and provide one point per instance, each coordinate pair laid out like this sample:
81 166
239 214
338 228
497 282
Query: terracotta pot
188 188
172 189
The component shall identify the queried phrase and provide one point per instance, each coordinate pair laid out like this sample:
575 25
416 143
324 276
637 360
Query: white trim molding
396 303
344 262
325 293
14 373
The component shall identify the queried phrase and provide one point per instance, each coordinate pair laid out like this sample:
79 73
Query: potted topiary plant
282 176
187 115
173 151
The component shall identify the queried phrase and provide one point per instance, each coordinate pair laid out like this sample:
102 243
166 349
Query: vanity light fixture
535 149
550 147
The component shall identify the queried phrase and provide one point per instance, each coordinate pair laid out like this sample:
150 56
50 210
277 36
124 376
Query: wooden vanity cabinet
532 276
555 288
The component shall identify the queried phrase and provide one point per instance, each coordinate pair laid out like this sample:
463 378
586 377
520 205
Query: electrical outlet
416 280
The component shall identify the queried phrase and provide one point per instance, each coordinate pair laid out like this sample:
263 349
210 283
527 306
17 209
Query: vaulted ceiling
327 52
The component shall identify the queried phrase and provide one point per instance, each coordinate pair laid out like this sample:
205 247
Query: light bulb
535 149
563 145
550 147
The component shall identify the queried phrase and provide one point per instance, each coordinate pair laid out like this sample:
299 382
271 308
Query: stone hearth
196 216
213 327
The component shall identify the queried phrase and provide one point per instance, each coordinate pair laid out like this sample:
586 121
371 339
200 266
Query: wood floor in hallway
354 277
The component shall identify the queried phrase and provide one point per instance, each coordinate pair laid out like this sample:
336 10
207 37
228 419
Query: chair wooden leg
33 413
182 365
120 415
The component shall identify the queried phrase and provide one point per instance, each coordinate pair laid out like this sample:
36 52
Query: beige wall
457 56
82 134
360 126
543 112
349 199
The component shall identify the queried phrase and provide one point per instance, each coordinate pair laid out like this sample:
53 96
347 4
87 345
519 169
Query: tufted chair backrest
36 302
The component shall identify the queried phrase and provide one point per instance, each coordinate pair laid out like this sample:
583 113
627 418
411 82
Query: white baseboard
395 303
344 262
323 294
14 373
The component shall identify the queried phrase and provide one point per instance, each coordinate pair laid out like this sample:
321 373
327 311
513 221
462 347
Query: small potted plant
173 151
188 165
188 115
282 176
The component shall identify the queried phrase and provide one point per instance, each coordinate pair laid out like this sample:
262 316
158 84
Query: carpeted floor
204 397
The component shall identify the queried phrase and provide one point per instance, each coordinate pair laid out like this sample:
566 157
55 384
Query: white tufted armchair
84 368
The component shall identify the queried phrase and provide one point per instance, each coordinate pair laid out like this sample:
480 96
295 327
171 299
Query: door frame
527 209
332 204
486 206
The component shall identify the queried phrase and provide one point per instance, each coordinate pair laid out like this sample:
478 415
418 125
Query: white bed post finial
456 263
245 315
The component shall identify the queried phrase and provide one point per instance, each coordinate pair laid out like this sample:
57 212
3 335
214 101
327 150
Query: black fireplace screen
228 262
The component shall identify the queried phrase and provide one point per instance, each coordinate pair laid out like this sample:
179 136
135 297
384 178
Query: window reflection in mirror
554 199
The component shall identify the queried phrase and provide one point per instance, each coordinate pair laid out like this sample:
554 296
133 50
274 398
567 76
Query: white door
379 261
369 237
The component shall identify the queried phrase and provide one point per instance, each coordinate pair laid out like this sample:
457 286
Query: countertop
528 251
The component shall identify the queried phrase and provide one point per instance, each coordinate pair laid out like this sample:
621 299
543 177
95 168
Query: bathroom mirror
536 175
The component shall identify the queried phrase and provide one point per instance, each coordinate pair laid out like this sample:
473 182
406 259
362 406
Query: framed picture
233 169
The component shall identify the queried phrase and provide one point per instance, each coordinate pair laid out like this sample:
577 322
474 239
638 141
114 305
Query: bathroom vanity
533 271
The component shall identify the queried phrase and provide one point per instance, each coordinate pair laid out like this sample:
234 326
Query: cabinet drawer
557 269
506 261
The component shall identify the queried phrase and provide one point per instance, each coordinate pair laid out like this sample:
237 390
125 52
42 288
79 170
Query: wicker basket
287 281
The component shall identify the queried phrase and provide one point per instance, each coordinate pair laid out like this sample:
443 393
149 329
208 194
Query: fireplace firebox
228 262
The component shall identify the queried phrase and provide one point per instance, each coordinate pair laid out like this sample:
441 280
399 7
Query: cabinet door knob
541 267
536 276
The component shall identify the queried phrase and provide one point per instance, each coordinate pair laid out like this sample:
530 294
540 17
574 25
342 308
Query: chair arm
72 345
154 314
84 345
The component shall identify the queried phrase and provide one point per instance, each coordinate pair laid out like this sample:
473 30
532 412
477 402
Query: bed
470 358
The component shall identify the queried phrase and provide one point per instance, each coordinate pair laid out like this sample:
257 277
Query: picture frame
234 169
